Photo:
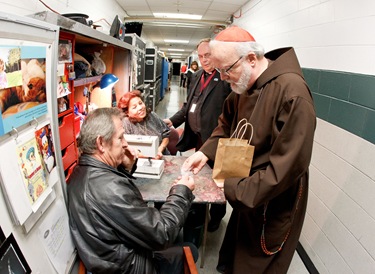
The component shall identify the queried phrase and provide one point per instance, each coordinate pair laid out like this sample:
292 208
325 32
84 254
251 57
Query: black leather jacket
112 228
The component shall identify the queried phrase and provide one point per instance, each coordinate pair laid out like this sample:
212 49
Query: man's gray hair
98 122
243 48
204 40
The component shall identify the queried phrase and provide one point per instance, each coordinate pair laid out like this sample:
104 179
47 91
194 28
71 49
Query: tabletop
157 190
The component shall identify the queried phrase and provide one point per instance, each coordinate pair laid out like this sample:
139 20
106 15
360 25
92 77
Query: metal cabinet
164 77
153 71
153 66
138 60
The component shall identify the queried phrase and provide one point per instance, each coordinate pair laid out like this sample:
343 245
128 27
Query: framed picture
26 75
65 51
2 236
11 258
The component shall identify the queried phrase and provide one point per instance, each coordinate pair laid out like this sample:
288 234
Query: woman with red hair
140 120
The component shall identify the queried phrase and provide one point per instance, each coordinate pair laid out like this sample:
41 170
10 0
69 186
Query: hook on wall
16 132
36 121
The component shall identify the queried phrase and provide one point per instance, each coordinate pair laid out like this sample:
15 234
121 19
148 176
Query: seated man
112 227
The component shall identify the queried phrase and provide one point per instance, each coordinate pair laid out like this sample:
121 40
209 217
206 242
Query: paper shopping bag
234 155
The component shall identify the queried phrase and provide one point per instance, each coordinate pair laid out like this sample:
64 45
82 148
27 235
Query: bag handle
239 133
235 133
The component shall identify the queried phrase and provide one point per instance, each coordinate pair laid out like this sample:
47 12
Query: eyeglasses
226 71
205 56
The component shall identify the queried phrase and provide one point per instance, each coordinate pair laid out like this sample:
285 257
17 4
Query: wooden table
206 190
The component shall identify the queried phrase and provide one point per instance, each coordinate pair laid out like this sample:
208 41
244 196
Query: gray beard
241 85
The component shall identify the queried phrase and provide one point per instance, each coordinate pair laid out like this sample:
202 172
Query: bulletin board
33 192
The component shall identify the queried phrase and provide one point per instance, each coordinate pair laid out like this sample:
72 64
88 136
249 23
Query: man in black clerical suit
200 114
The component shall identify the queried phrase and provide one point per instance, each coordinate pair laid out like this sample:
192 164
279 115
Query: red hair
123 103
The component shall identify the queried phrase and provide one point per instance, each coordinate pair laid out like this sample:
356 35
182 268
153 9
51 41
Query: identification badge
193 106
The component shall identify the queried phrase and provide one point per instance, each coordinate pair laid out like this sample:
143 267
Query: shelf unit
85 41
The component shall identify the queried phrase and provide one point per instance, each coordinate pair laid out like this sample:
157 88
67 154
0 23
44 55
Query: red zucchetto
234 34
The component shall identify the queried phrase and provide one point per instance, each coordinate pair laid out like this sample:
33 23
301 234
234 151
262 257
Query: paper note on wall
55 235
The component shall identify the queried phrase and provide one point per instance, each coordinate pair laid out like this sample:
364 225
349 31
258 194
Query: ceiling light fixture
175 49
176 24
186 23
176 41
177 15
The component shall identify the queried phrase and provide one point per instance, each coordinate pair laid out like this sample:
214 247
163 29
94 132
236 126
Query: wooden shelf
61 114
86 81
86 42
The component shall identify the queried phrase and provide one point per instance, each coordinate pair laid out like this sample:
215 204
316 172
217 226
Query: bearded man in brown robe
269 205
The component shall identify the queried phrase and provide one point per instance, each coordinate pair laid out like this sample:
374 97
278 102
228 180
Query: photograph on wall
26 184
65 51
12 259
10 67
62 87
23 84
45 145
32 168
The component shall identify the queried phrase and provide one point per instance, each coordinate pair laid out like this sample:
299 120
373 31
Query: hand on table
168 122
187 181
157 157
195 162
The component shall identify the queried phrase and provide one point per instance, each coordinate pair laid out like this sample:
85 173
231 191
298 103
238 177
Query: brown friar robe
280 107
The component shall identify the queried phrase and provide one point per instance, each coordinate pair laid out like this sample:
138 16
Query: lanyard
204 83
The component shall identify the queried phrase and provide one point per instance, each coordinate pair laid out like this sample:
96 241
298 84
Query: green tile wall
344 99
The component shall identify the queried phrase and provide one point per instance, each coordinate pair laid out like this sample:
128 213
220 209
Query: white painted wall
327 34
99 11
338 233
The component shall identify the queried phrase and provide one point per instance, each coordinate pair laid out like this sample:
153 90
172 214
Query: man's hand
187 181
195 162
159 155
168 122
130 156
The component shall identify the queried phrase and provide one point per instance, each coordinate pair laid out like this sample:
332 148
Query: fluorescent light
176 41
176 53
175 24
175 49
178 15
